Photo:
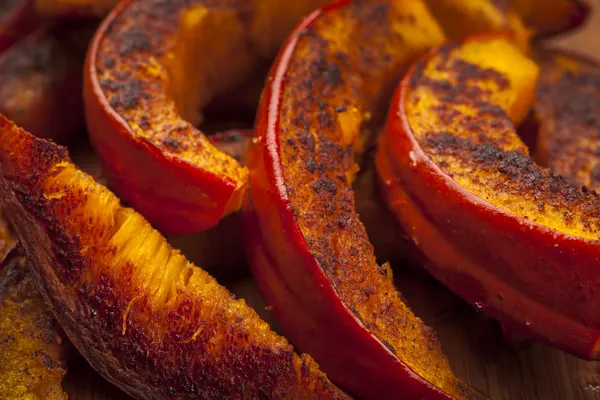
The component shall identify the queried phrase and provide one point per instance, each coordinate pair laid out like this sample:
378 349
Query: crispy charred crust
567 112
309 160
511 171
188 345
521 175
124 51
138 87
488 219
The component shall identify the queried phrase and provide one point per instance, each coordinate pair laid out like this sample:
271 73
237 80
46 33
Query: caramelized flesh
461 107
161 63
460 18
336 76
32 351
145 318
567 112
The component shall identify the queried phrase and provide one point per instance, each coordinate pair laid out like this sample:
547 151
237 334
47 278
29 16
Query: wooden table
472 343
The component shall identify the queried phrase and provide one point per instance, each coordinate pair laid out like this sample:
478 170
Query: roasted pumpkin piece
151 69
547 18
309 252
567 117
41 81
33 351
507 235
144 317
460 18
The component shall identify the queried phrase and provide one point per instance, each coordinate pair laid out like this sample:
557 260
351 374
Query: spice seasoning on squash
128 301
310 253
145 86
487 218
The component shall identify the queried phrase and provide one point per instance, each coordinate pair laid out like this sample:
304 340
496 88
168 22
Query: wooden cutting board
472 343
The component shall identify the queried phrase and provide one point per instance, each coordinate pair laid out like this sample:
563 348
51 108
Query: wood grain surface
473 343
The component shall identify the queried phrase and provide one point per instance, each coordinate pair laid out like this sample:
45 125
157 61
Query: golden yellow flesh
549 201
335 84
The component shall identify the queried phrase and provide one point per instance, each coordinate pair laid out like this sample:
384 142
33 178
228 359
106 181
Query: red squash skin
290 278
175 212
18 23
155 170
532 279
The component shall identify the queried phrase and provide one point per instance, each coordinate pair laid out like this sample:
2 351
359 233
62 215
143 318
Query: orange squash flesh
508 236
151 68
143 316
567 116
309 252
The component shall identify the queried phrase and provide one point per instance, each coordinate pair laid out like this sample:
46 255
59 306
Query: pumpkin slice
511 238
567 116
143 316
151 69
309 252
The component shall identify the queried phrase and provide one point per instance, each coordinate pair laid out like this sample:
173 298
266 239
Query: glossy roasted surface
128 301
479 148
473 344
334 83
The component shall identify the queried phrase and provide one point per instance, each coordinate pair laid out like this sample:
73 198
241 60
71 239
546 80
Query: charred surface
334 84
473 140
142 315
